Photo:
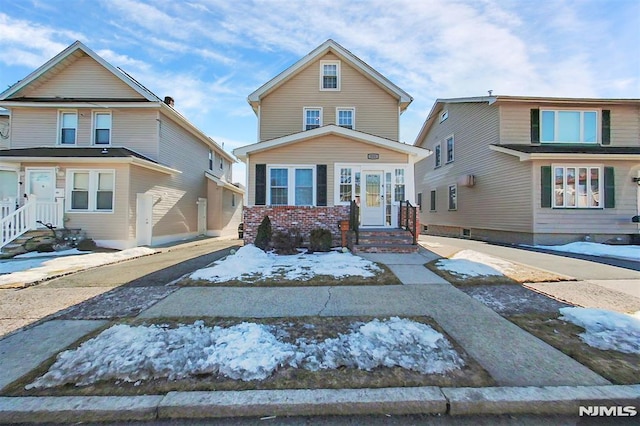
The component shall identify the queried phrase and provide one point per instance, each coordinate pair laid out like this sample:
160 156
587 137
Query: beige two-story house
531 170
90 148
328 131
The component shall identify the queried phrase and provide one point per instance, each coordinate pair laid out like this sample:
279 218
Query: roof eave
108 160
524 156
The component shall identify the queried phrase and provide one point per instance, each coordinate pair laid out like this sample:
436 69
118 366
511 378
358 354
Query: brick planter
304 218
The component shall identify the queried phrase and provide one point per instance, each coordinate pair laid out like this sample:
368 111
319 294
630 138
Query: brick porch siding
304 218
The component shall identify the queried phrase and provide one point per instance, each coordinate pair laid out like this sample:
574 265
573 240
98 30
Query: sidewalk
532 376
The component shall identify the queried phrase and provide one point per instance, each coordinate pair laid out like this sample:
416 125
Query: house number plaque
373 156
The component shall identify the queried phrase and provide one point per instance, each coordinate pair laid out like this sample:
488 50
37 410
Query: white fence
18 221
7 207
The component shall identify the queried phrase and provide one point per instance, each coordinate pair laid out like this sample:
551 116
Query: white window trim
361 168
338 75
437 155
600 168
93 127
291 187
453 149
581 111
353 115
304 116
444 115
455 208
59 137
93 190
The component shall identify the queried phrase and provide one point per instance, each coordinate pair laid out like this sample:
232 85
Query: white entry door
41 183
372 205
144 219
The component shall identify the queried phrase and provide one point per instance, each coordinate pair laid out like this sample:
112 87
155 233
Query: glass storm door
372 205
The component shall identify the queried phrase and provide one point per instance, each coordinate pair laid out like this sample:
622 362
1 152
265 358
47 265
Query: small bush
287 242
86 245
263 237
320 240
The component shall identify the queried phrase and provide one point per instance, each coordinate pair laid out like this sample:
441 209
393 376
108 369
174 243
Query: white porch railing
27 217
18 222
7 207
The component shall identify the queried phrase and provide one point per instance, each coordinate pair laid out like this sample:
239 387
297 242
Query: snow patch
597 249
251 264
606 329
470 263
246 351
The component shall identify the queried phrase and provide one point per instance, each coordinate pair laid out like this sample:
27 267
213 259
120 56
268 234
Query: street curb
558 400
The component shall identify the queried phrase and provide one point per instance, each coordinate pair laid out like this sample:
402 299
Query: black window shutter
261 184
545 186
609 188
321 185
606 127
535 126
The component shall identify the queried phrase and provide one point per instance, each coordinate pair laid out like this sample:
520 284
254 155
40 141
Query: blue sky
210 54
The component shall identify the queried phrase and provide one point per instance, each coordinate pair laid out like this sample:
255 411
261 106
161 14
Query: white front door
41 183
372 204
144 219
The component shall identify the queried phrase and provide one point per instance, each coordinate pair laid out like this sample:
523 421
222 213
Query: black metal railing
407 219
354 218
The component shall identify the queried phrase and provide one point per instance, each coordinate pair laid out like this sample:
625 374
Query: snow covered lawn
248 352
596 249
251 265
30 268
472 267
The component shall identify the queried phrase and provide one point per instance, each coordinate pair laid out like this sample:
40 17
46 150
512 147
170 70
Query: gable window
91 190
450 149
329 75
345 117
312 118
437 154
68 127
453 197
291 186
566 126
577 187
444 115
432 201
102 128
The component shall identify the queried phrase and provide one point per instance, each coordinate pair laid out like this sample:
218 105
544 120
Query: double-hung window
102 128
291 186
437 155
345 117
68 127
91 190
577 186
565 126
329 75
453 197
449 145
399 185
312 118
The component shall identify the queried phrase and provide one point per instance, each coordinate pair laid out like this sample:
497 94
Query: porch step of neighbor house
33 238
385 241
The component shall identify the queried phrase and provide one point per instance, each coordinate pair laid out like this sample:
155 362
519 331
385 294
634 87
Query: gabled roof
58 62
490 100
331 129
404 98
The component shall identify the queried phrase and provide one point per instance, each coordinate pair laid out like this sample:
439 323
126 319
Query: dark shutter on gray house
535 126
609 188
321 185
545 186
261 184
606 127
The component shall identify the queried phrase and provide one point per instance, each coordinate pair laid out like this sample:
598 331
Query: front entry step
385 241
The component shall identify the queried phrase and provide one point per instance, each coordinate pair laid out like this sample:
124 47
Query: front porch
16 220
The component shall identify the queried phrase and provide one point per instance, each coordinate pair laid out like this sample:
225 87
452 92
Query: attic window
444 115
330 75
